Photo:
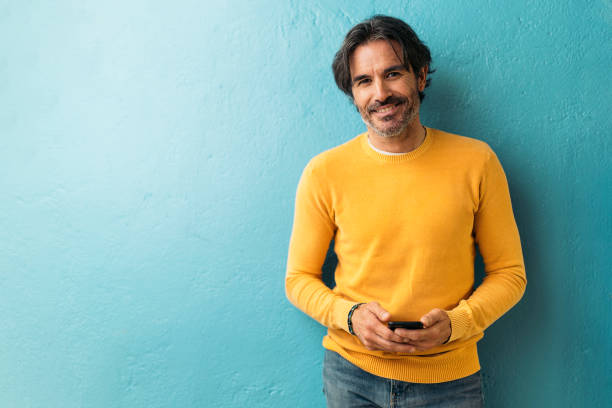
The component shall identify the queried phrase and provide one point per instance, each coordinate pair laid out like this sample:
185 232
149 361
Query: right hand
370 326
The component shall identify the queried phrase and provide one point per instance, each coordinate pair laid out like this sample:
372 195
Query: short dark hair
414 52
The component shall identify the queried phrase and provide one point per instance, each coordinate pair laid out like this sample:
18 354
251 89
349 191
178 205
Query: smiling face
384 91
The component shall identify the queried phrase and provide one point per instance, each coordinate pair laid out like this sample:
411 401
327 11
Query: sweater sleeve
313 229
498 240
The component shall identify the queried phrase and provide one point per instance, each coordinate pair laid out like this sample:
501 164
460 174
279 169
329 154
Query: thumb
432 317
381 313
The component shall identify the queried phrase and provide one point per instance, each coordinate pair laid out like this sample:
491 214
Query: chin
389 131
388 134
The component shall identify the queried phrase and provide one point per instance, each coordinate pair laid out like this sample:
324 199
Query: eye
363 81
393 74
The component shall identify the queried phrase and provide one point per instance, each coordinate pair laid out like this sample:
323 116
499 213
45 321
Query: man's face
384 92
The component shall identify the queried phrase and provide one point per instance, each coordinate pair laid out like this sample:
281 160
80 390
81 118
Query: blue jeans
348 386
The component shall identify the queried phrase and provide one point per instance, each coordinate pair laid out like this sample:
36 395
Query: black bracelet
350 316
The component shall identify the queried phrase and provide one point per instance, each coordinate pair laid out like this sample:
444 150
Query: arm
496 234
498 240
313 229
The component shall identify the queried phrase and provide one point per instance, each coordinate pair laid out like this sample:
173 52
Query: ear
422 80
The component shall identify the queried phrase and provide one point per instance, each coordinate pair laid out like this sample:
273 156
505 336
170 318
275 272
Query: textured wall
149 157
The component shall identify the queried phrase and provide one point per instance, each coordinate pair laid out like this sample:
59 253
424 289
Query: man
406 206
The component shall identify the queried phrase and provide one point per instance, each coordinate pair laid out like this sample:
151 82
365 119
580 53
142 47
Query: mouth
387 109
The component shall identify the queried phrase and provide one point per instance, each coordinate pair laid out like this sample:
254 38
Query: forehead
374 56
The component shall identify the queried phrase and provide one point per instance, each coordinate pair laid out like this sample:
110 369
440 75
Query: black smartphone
405 325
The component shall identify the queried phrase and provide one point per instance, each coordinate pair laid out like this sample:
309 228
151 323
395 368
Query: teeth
385 109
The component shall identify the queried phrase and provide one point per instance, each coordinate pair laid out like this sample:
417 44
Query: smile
387 109
384 110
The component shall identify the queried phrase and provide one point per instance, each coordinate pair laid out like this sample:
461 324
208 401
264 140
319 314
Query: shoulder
463 151
324 172
462 144
335 157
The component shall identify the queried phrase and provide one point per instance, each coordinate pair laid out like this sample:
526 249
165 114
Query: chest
436 205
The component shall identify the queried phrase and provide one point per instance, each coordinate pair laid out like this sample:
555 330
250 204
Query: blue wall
149 157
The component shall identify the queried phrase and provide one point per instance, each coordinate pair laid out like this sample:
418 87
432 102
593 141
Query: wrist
350 317
450 329
449 336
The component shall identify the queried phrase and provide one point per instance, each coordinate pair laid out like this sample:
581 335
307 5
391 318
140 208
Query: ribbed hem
401 158
446 366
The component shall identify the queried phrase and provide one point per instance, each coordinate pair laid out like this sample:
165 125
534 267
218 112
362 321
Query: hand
437 329
370 326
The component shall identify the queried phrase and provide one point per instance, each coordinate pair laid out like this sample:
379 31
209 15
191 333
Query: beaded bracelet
350 316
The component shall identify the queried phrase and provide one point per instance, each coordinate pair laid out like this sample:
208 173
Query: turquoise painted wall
149 157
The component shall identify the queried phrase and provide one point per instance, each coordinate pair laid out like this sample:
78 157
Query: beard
392 125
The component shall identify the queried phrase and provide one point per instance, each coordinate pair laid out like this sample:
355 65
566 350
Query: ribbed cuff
461 321
342 307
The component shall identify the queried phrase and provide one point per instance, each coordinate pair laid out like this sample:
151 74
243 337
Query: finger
373 332
420 335
392 346
374 336
378 327
380 313
386 333
432 317
438 320
410 335
430 337
369 328
377 336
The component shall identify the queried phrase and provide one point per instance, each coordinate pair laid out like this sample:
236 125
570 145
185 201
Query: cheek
360 104
361 97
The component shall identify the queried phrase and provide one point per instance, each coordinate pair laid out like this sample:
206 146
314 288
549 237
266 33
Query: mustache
392 100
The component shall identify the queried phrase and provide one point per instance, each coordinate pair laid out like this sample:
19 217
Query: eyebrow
398 67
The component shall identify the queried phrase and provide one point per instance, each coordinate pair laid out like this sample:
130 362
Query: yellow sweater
405 230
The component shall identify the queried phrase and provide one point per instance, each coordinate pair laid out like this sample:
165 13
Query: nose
381 91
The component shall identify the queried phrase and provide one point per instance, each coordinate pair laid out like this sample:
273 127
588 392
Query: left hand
436 330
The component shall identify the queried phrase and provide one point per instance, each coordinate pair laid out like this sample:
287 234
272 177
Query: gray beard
396 130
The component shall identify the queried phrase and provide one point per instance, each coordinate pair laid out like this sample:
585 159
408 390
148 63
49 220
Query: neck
405 142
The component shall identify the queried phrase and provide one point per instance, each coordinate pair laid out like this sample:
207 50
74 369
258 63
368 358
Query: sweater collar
397 158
